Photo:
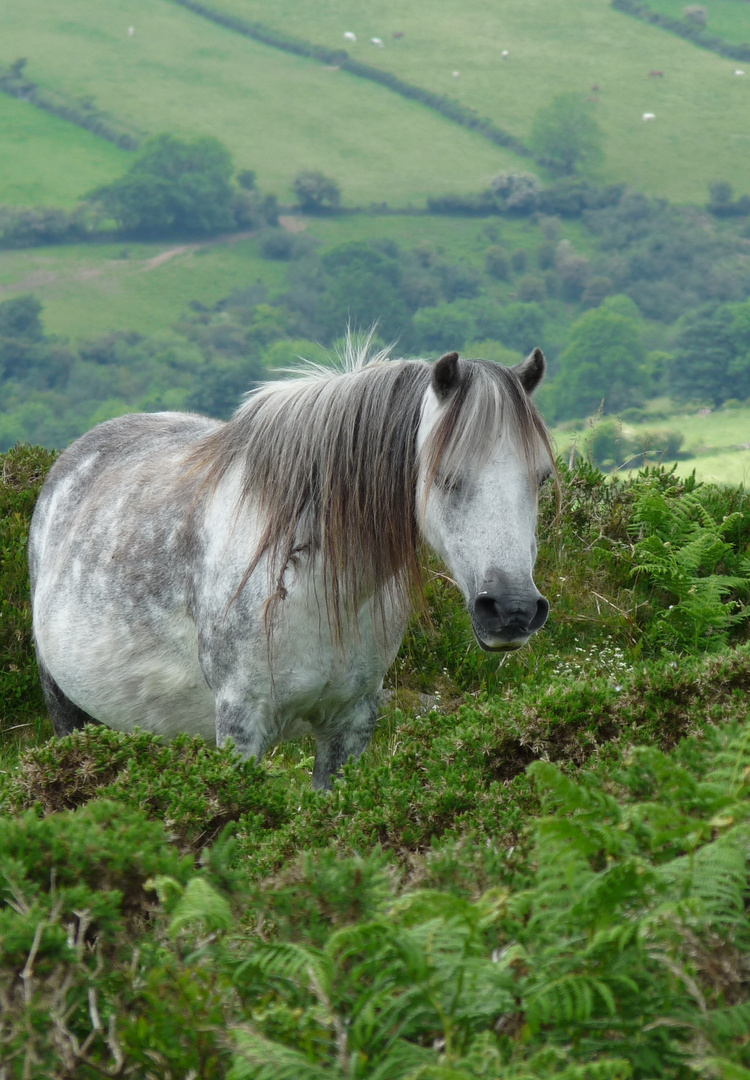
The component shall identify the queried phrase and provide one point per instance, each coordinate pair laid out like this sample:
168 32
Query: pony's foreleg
342 737
248 726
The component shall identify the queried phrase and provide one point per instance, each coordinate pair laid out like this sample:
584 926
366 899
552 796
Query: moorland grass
49 162
700 106
278 114
491 890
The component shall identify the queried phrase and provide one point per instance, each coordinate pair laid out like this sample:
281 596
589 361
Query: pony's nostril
540 618
486 608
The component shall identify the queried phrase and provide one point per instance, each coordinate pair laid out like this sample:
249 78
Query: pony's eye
450 483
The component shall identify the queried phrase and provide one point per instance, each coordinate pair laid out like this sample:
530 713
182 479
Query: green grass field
716 446
93 289
278 114
49 162
726 18
701 131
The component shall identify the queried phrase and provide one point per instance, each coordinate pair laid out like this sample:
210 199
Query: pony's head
483 455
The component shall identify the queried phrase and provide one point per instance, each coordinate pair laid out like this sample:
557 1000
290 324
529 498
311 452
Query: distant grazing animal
252 579
377 41
738 72
350 36
649 116
505 54
595 88
456 74
398 33
656 74
131 31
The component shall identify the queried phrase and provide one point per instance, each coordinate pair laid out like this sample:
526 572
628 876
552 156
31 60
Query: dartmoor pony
252 580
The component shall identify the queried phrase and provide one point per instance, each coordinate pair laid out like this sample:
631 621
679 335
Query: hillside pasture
278 114
725 18
700 133
49 162
90 289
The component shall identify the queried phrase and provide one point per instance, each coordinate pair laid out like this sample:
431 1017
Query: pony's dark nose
505 613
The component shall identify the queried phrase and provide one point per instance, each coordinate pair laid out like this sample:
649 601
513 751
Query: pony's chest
313 675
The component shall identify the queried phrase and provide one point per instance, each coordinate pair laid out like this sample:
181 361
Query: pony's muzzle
504 615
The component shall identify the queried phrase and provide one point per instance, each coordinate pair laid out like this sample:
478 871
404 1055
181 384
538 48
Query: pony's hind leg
66 717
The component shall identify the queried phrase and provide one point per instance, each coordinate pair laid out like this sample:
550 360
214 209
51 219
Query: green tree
711 358
363 287
566 136
316 192
174 187
603 362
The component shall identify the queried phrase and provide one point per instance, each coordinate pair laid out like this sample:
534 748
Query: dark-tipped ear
445 375
531 370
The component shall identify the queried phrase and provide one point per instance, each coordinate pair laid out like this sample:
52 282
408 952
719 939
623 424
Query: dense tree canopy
602 364
711 360
175 186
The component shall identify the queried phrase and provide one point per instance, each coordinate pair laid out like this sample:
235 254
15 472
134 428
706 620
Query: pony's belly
129 677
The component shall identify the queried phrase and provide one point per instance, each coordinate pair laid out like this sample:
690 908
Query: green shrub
22 473
192 788
682 549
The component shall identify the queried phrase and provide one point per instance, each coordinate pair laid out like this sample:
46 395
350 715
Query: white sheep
649 116
738 72
349 36
504 54
131 31
456 74
377 41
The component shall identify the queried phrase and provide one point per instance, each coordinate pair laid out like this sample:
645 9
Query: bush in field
695 13
566 136
175 187
496 262
316 192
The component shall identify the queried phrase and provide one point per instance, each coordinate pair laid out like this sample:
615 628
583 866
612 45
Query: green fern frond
716 874
259 1058
722 1068
200 903
730 1023
571 998
285 963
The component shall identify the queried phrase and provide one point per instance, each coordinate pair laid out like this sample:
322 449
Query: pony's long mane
329 458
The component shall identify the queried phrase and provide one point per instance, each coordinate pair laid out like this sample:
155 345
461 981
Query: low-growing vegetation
538 870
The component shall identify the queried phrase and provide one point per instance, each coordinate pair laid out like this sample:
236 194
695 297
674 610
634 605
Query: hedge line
447 107
81 113
691 31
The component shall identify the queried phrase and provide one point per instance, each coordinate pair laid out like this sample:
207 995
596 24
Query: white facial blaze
489 521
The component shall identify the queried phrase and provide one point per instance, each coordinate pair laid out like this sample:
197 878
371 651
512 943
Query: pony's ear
531 370
445 375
